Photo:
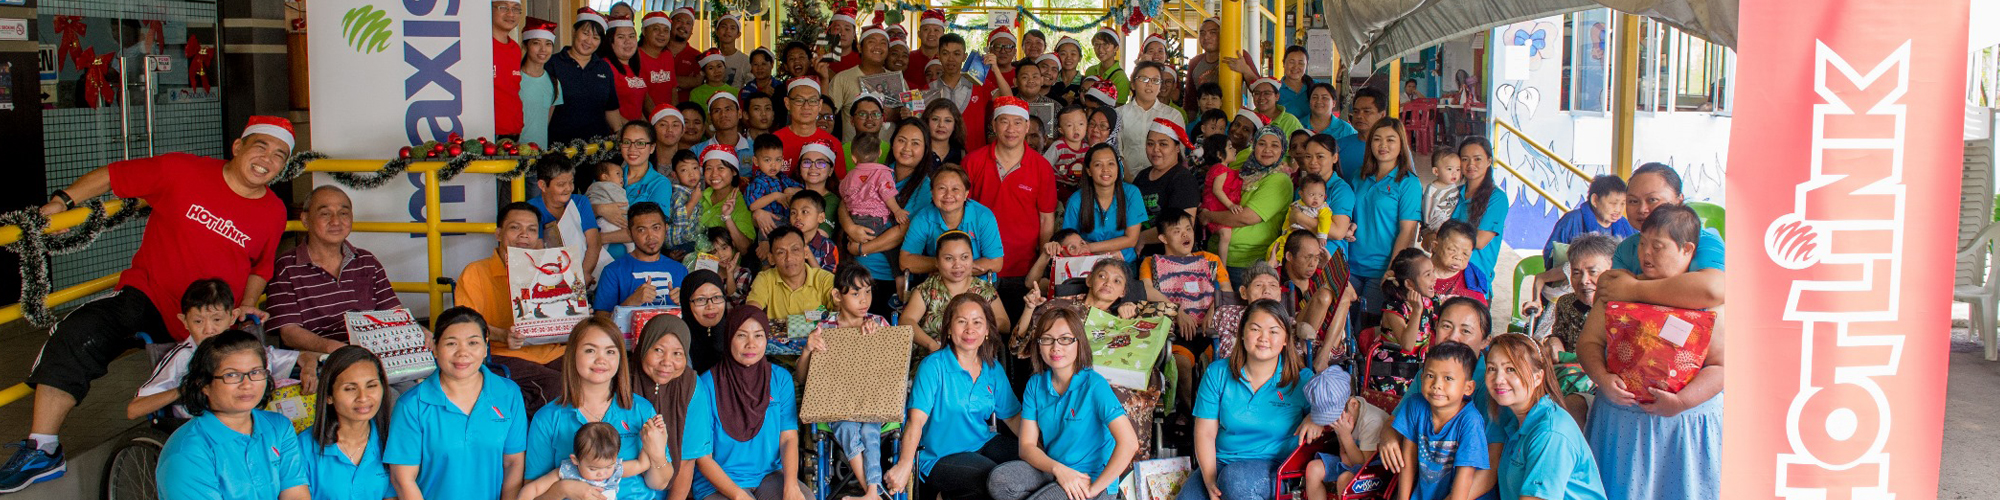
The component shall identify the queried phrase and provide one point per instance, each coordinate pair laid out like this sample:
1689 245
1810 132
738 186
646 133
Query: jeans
1017 480
963 476
771 488
862 440
1239 480
1369 308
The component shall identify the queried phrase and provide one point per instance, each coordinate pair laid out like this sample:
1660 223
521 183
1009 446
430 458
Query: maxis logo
431 48
1845 231
366 29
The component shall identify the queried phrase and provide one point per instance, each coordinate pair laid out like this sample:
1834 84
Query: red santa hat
804 81
724 152
615 22
712 55
588 14
1010 106
665 111
1104 91
685 11
539 29
844 14
1153 39
721 96
1169 128
276 127
874 30
655 18
1002 32
933 17
816 147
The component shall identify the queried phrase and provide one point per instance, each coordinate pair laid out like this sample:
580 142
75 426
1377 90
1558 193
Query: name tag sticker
1190 288
1676 330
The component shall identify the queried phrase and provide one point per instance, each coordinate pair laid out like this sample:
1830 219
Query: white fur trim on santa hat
1010 110
814 147
1252 115
1273 82
839 18
687 11
893 43
803 82
651 20
619 23
728 17
668 111
718 154
1009 35
592 17
874 31
1069 41
271 130
713 58
538 35
720 96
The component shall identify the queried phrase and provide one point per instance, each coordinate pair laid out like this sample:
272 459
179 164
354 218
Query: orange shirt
482 286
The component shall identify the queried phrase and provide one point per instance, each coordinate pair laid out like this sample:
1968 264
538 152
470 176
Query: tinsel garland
35 247
1116 13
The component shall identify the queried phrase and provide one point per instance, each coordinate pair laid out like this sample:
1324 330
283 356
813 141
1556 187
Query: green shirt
711 216
705 91
1109 70
1268 197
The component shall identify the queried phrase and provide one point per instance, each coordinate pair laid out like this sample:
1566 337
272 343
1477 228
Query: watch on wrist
63 195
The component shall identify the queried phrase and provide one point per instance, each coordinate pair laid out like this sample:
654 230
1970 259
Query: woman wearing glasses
1075 439
231 450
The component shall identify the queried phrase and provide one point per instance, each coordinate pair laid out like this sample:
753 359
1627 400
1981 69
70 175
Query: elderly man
483 287
211 219
325 277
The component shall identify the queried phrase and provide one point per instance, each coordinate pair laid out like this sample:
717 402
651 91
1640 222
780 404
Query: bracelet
68 202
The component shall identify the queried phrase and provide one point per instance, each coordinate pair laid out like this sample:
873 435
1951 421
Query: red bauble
453 137
405 153
490 149
456 150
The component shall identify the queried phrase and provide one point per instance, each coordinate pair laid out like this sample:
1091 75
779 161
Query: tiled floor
100 416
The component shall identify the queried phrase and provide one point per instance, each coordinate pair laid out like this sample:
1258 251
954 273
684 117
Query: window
1679 72
1586 72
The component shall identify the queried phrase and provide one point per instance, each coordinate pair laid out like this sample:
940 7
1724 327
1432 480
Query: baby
594 461
607 200
1310 212
1441 196
1225 187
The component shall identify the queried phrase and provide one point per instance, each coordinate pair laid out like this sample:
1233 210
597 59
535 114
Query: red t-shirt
974 114
1455 286
660 82
506 87
1018 202
794 142
913 75
850 59
631 88
199 229
687 64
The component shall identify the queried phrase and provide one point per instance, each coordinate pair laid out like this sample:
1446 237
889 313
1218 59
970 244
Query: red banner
1845 157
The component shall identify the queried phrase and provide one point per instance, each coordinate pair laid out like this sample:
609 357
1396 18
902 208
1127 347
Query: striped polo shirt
306 295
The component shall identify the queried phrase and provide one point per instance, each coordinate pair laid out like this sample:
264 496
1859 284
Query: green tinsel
35 247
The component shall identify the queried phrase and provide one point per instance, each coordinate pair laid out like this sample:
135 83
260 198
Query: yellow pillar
1625 94
1232 46
1395 104
1278 38
433 240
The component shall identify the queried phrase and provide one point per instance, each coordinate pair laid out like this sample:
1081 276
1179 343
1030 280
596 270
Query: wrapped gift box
1651 346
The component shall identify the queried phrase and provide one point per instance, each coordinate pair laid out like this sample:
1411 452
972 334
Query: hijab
1252 170
742 393
704 347
670 398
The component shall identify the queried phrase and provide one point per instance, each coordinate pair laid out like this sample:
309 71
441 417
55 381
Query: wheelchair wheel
128 475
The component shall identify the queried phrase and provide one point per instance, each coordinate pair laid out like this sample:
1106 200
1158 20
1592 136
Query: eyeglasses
712 300
804 100
827 116
1263 93
815 164
1055 340
235 378
1000 46
868 114
1147 79
635 144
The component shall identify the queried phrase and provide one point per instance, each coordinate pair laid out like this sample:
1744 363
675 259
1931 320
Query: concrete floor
1971 424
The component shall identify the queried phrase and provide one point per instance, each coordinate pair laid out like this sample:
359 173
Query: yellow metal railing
1531 185
432 228
1544 150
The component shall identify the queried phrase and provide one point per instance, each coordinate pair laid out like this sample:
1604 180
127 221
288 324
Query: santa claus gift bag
1652 346
547 293
395 338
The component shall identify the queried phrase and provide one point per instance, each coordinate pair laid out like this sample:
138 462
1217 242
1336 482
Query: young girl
722 205
538 88
1407 312
851 297
595 463
1225 187
819 179
955 276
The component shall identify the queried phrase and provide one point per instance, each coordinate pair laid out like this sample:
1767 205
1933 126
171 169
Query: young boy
808 211
1445 437
758 115
683 233
851 296
1212 122
1208 97
1450 250
1604 213
1066 153
1441 196
207 310
567 220
594 461
1196 293
769 186
1357 426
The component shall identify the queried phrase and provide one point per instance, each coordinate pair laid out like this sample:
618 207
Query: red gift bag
1656 346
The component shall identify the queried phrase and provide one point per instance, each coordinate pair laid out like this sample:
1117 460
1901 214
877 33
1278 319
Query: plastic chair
1984 297
1526 269
1711 215
1420 119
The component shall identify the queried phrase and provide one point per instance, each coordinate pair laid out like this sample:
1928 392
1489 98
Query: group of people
851 206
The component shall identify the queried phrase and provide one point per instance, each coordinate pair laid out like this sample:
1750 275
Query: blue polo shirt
1707 253
552 438
958 406
1340 200
1545 456
1075 425
207 460
1578 222
1335 127
586 94
1495 221
1257 423
926 226
1106 226
333 477
1441 450
1381 205
747 462
653 187
1353 149
1295 99
624 275
458 454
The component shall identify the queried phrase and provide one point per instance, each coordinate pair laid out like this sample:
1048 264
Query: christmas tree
805 20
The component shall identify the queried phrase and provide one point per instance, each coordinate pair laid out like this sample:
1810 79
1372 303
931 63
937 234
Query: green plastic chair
1711 215
1526 268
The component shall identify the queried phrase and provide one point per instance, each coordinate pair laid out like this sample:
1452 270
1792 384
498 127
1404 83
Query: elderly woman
667 379
756 422
1250 411
957 391
227 381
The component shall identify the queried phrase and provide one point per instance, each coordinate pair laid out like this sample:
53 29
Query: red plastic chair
1420 118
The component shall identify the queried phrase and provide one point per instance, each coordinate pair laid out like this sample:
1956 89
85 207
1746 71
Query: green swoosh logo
366 29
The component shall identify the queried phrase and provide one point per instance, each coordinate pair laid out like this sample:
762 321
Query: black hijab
705 346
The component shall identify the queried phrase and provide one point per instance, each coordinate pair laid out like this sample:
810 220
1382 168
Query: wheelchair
833 478
130 472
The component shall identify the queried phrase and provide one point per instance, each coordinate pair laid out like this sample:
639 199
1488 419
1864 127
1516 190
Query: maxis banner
392 73
1845 151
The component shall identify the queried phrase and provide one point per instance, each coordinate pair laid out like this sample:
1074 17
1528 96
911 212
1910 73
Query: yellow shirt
482 286
780 299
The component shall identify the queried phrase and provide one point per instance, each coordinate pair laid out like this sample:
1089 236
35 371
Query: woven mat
859 378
